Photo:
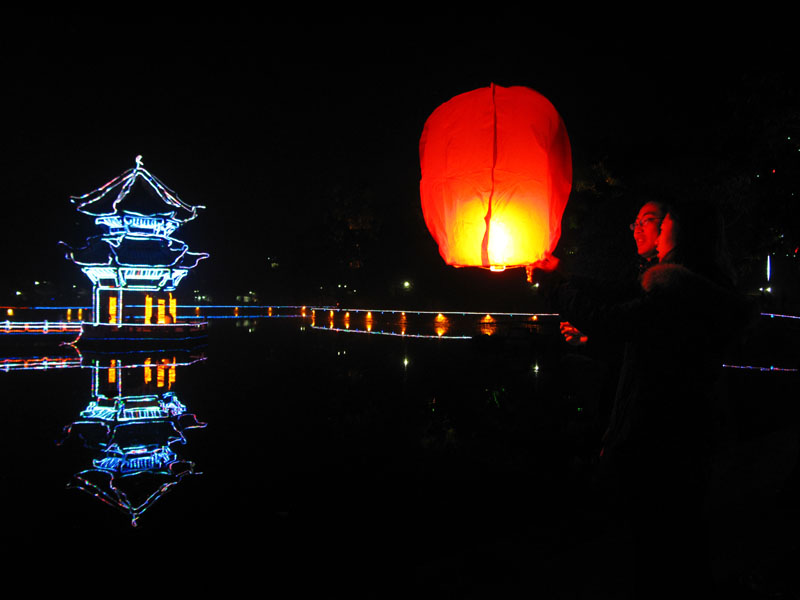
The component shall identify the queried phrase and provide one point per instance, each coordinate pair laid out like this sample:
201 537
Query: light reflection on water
129 436
366 421
133 424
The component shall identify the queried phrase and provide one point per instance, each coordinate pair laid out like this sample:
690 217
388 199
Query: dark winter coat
676 332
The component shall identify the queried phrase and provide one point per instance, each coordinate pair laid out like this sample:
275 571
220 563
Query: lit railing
25 327
41 363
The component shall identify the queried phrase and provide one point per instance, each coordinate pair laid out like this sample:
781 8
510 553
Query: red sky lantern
496 175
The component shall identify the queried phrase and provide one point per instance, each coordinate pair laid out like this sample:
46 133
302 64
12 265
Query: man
646 229
599 361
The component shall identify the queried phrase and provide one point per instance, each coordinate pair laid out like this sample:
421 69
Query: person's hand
549 263
572 335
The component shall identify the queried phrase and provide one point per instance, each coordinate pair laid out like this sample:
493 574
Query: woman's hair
700 242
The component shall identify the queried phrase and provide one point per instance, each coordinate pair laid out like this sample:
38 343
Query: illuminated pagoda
135 252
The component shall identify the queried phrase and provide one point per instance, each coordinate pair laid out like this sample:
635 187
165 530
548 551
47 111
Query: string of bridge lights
770 369
302 312
339 309
774 315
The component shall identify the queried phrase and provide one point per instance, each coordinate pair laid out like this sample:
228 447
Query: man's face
646 229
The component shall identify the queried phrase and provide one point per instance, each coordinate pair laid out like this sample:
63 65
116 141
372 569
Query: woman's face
666 239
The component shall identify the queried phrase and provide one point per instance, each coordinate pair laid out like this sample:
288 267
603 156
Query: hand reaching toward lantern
548 264
545 265
572 335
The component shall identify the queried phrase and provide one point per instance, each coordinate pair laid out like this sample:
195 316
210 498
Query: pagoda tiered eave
129 223
143 279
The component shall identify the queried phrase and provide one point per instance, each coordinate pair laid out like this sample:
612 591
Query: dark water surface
350 463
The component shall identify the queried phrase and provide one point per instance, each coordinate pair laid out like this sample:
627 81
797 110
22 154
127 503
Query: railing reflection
133 423
488 325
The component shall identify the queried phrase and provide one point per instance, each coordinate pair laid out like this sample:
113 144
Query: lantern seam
488 218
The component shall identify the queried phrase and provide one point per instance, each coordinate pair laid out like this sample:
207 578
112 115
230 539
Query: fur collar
666 276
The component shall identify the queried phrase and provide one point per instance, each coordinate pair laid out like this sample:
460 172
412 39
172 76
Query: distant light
406 284
405 362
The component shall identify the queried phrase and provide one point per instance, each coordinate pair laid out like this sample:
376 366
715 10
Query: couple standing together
676 322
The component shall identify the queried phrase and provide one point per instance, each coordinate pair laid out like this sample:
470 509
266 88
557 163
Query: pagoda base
170 335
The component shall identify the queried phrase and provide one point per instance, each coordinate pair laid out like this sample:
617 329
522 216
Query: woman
659 438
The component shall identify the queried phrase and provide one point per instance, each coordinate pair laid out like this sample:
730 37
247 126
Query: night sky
287 132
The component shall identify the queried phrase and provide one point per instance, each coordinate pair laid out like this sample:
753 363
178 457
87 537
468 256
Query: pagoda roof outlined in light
135 193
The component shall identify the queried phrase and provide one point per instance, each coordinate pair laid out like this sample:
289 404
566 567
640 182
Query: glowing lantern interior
496 175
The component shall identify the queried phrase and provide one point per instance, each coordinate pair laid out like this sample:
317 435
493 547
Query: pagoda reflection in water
133 424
